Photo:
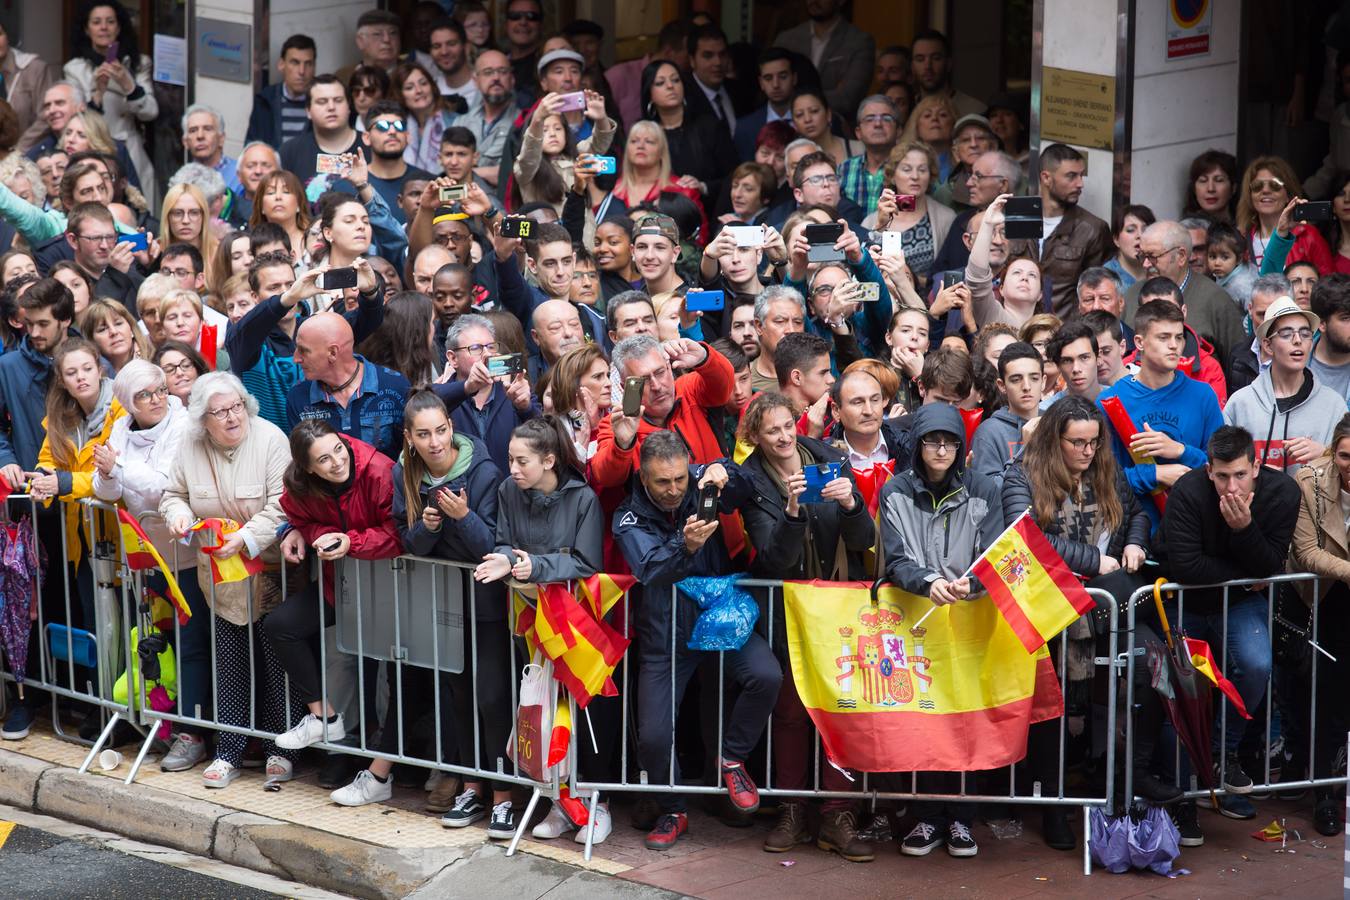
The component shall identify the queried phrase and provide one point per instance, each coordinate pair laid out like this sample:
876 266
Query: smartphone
892 244
822 238
704 300
110 55
951 279
632 394
454 193
870 292
747 235
1022 219
573 102
138 241
504 366
337 279
331 164
707 502
516 226
817 476
906 202
331 547
1313 212
604 165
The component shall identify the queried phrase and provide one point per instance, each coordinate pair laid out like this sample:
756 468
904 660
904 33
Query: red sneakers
740 788
667 831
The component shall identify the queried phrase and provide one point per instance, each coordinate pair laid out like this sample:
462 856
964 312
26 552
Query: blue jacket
871 321
374 414
262 353
652 542
24 376
1185 410
493 424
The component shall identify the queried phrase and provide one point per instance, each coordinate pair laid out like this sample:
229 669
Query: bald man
354 395
429 261
555 328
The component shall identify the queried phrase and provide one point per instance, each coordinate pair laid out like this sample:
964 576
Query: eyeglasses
476 349
820 180
978 177
365 89
1081 444
523 16
220 415
387 125
495 73
98 239
380 34
175 368
878 119
585 276
1287 334
1267 184
940 446
159 392
823 290
180 274
181 215
1154 257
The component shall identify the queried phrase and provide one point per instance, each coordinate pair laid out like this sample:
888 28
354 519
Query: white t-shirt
1048 229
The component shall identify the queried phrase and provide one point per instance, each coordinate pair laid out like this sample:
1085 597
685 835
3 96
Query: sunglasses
1271 184
387 125
525 17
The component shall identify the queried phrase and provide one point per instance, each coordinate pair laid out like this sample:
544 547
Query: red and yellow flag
1124 427
1203 660
956 694
570 629
1030 584
142 555
235 568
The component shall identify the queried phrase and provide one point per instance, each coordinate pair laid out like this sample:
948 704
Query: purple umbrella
20 580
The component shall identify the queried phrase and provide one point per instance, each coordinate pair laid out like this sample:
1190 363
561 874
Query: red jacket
1199 366
1309 246
364 513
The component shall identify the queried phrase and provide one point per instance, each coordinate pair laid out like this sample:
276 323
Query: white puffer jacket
144 457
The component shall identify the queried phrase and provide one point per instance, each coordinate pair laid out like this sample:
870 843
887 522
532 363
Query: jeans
1243 657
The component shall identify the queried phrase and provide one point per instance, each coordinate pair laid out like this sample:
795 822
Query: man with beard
931 65
490 122
840 51
386 135
742 330
1073 239
1330 363
449 51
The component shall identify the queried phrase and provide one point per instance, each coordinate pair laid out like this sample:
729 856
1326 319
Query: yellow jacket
82 484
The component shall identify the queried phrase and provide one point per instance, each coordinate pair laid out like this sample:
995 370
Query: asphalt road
37 863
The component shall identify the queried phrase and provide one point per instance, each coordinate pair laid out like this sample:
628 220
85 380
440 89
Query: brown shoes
839 834
790 830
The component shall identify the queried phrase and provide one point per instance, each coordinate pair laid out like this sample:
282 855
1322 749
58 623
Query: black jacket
1196 546
1083 559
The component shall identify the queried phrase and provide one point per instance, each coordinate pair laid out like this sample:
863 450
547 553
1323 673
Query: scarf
93 423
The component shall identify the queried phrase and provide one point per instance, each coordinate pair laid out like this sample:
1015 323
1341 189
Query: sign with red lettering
1189 23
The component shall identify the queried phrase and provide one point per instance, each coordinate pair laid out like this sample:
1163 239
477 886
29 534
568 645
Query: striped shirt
294 115
859 185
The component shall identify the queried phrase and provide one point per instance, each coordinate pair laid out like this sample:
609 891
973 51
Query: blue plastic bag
1121 843
729 613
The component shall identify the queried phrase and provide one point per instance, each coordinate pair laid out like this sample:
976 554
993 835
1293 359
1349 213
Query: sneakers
790 830
468 809
1187 819
17 723
741 789
185 752
922 840
959 841
555 824
443 794
1235 780
219 774
502 824
603 826
1236 807
365 788
839 834
667 832
311 730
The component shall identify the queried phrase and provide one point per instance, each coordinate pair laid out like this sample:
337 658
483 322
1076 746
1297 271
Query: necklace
346 384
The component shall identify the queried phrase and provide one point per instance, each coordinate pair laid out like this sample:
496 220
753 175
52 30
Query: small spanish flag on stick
1203 660
1029 583
142 555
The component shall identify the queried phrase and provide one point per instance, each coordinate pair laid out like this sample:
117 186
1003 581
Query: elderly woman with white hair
133 467
230 465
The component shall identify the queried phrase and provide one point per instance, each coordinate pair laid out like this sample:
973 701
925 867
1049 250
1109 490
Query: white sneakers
556 824
603 826
311 730
365 788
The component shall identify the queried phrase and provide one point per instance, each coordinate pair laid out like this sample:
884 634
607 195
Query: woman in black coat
701 152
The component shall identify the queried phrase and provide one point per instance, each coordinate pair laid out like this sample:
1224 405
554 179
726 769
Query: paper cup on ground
109 760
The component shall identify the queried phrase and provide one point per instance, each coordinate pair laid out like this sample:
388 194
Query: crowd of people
484 299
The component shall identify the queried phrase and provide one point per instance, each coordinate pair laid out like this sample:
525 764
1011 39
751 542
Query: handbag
1122 585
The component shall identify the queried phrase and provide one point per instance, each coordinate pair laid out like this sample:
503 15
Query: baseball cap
378 17
658 226
972 119
1282 308
562 53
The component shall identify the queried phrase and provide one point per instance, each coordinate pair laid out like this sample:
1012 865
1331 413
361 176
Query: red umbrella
1186 694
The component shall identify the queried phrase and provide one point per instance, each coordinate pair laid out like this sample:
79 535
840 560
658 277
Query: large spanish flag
141 555
956 694
235 568
1030 584
570 629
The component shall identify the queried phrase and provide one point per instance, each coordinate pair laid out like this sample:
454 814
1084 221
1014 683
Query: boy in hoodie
998 440
1197 356
1174 415
936 518
1290 414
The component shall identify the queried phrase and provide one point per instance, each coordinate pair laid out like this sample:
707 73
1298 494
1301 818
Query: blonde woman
182 318
110 326
932 122
645 173
87 131
906 205
185 218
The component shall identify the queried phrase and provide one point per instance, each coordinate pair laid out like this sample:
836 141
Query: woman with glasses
186 219
1079 498
905 206
280 199
231 466
133 467
1268 186
477 23
366 85
182 366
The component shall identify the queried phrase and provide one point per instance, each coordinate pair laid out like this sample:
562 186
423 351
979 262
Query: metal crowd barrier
417 612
